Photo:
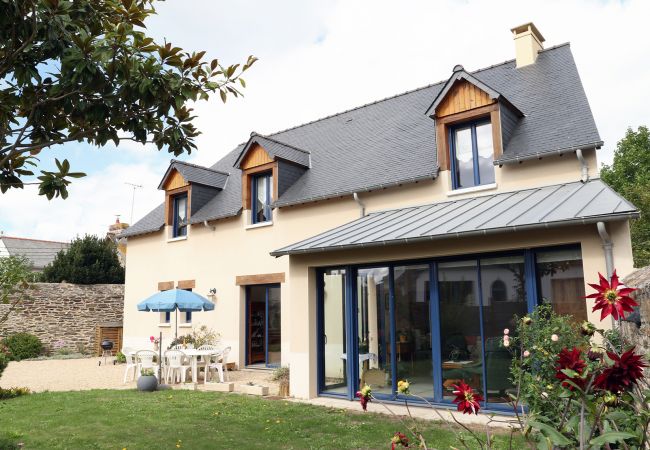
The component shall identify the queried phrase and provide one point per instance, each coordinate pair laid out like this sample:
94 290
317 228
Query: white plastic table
194 355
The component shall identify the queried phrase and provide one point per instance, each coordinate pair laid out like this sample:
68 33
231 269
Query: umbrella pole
160 357
176 323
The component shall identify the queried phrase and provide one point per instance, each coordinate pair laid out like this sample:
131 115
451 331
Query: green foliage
86 71
120 358
198 337
15 272
23 346
147 372
281 374
13 392
536 373
4 362
629 175
88 260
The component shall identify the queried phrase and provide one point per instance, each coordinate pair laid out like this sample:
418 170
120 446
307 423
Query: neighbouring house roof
527 209
193 173
39 252
276 150
393 141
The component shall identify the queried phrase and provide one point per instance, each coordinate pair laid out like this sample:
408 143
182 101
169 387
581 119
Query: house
395 240
39 252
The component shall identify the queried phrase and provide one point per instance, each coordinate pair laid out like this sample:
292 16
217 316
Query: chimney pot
528 43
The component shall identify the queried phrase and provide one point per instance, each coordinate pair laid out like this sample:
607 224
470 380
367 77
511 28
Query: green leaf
611 437
555 436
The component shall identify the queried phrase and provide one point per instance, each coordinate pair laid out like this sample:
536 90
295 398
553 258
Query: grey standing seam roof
542 207
392 141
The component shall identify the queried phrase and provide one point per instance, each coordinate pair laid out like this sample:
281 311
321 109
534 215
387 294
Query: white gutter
584 168
607 248
362 206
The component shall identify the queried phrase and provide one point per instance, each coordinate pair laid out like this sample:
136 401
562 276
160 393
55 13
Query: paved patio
86 373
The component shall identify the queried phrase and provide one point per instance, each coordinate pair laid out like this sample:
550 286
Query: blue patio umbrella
175 300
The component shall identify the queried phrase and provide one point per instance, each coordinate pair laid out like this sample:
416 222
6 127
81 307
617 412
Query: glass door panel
334 351
460 325
413 328
503 289
274 355
256 325
373 319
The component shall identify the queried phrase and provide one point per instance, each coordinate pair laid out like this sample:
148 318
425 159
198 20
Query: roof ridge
31 239
403 93
198 166
284 143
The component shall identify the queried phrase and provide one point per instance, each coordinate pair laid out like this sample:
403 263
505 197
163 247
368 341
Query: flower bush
576 386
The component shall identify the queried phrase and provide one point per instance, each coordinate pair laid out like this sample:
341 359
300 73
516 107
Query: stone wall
640 335
66 314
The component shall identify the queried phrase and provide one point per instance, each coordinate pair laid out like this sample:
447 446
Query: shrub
281 374
6 394
4 362
89 260
120 357
23 346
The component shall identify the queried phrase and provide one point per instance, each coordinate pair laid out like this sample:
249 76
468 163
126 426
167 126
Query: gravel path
86 373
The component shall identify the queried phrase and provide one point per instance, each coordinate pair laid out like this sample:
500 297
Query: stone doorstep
218 387
252 390
184 386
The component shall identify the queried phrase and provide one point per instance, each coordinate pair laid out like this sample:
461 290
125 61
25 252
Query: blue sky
322 57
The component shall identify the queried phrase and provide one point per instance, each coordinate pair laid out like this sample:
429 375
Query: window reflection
413 328
373 314
560 282
334 323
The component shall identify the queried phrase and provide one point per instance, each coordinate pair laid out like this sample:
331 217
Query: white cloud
319 58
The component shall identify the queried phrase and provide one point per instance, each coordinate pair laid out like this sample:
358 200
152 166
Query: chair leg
220 370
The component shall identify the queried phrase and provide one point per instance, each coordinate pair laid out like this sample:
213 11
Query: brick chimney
528 42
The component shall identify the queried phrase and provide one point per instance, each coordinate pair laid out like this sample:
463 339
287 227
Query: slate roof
39 252
197 174
392 141
535 208
276 150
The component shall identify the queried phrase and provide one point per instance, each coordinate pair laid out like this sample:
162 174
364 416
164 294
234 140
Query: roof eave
581 221
539 155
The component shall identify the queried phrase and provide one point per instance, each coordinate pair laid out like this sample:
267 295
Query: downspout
212 227
607 248
584 168
362 206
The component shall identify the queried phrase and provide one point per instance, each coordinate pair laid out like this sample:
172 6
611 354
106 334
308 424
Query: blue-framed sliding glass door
436 322
263 325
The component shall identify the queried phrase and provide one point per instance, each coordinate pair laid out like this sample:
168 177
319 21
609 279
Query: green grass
105 419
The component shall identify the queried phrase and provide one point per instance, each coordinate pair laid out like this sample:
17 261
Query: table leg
194 369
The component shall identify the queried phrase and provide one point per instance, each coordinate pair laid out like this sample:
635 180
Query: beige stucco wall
215 258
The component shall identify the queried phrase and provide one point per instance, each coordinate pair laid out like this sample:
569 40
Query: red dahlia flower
623 374
610 299
466 398
364 395
399 439
570 360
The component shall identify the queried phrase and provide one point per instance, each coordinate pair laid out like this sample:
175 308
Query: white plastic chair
174 362
221 365
130 362
205 361
145 360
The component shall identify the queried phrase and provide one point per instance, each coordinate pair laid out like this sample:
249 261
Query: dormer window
180 215
262 187
472 154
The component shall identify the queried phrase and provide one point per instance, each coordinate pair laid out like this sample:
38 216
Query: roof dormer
473 125
269 167
188 187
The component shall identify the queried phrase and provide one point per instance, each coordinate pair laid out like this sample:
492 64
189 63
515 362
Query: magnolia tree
570 390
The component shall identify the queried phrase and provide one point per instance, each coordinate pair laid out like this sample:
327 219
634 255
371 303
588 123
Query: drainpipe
584 168
212 227
607 248
362 206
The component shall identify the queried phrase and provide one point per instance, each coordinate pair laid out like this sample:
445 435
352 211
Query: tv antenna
134 186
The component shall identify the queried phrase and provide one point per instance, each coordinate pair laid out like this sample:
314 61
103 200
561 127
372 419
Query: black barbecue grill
107 347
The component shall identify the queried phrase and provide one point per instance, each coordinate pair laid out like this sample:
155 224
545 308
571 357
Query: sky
318 58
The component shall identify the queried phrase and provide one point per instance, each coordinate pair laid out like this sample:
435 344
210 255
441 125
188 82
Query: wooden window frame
247 180
268 212
169 203
445 124
176 227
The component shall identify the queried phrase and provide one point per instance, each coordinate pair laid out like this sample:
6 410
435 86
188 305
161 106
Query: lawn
105 419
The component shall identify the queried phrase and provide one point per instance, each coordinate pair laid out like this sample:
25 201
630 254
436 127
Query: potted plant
147 381
155 341
281 375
